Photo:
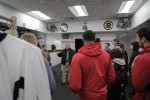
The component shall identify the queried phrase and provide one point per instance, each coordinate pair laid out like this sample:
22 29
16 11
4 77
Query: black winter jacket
134 53
63 54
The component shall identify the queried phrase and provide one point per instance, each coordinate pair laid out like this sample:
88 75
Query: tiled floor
63 92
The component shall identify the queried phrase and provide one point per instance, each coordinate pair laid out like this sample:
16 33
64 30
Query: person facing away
118 87
140 70
66 55
120 46
31 38
134 47
91 70
46 54
115 42
107 49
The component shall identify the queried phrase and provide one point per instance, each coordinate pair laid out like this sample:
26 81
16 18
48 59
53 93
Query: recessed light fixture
40 14
125 6
78 10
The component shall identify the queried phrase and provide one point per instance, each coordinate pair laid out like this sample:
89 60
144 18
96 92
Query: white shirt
21 59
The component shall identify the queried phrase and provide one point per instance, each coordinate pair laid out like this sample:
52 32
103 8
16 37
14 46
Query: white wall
142 15
30 22
109 37
96 26
53 39
55 60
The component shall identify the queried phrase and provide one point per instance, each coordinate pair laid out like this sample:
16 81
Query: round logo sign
108 25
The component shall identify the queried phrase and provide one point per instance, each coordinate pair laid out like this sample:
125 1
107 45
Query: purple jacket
51 79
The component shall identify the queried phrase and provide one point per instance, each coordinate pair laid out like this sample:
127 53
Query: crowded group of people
97 74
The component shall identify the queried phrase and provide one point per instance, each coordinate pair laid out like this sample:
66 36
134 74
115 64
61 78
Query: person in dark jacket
66 55
91 70
140 70
118 87
120 46
134 47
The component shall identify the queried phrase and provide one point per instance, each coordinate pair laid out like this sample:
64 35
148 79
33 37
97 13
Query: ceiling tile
58 9
112 1
90 2
110 10
95 11
73 2
55 4
64 12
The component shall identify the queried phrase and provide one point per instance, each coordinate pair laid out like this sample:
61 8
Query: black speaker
78 44
53 47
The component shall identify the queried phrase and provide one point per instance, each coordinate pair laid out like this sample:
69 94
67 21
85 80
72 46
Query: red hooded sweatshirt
91 71
140 75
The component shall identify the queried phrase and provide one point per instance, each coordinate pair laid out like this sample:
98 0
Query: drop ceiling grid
95 11
64 12
73 2
91 2
16 4
110 10
111 1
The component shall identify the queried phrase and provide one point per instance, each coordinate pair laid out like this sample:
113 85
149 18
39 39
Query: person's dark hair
89 36
108 44
116 40
97 40
144 32
120 45
116 53
135 45
43 46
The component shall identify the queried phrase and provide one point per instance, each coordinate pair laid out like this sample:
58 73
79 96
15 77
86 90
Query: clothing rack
13 21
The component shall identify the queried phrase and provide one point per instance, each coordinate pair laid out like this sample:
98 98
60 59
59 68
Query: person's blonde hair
29 37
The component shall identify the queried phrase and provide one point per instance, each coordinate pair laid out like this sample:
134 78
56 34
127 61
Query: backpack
121 76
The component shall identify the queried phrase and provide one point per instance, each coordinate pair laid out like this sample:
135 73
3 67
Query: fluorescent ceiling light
125 6
40 14
79 10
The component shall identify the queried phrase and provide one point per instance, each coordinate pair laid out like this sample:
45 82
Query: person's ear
143 39
83 42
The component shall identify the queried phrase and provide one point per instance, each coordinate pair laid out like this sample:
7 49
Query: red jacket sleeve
140 73
75 81
110 75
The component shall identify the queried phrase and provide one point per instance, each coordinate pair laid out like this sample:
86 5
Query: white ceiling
59 12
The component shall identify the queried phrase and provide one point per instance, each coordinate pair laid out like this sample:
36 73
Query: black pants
115 93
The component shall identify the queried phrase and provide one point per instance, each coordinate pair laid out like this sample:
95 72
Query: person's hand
58 52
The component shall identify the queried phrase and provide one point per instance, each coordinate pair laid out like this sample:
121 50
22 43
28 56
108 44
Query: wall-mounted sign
85 28
108 25
63 27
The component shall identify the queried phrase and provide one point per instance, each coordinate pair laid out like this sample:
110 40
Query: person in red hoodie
91 70
140 71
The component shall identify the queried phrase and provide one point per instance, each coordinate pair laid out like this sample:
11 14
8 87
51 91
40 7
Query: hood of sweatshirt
119 61
135 46
93 49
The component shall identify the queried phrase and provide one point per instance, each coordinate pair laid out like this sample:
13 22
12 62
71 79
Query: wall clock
63 27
